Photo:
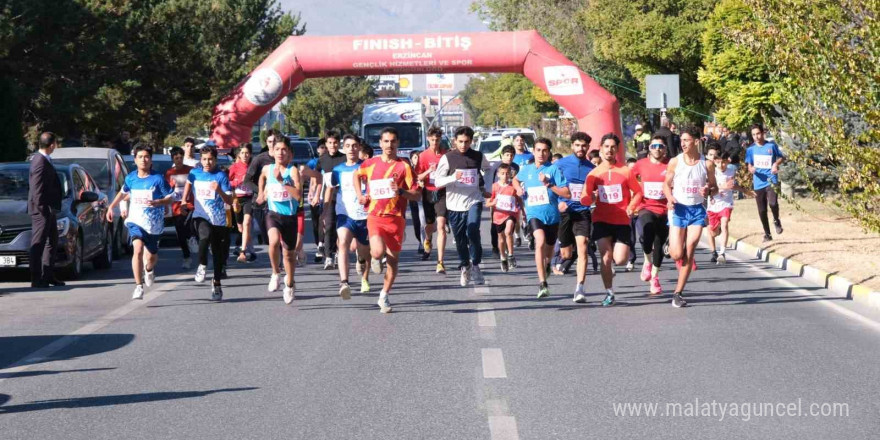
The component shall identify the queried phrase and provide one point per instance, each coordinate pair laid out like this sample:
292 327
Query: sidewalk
833 249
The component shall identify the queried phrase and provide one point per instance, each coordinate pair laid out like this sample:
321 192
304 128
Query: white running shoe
376 266
149 277
579 296
384 304
138 292
629 266
328 263
273 283
477 275
288 294
216 292
200 273
721 259
345 291
186 264
465 275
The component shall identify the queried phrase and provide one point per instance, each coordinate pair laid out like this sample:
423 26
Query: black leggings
328 217
764 196
218 238
653 232
416 222
183 234
317 229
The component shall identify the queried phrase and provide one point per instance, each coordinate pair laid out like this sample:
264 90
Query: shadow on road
14 348
29 373
100 401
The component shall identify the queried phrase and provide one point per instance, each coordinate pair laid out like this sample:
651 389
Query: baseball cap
639 126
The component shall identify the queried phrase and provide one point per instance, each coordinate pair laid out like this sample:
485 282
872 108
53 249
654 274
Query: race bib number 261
380 189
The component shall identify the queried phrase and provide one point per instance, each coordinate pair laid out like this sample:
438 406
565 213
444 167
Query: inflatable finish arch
526 52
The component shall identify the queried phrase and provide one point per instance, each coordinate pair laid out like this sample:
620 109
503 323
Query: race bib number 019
140 197
380 189
576 190
468 177
538 196
654 191
610 193
505 203
763 161
203 190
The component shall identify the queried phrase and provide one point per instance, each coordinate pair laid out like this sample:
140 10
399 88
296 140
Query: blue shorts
688 215
357 227
151 241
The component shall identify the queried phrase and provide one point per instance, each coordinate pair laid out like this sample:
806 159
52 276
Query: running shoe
464 276
138 292
714 258
319 252
242 258
376 266
441 268
677 301
223 275
328 263
427 246
200 273
288 294
186 264
477 275
425 256
365 286
543 291
496 253
721 259
273 283
345 291
678 264
656 289
629 266
505 266
149 277
253 257
512 261
778 225
517 241
608 301
359 266
646 271
531 244
216 292
579 296
384 304
767 238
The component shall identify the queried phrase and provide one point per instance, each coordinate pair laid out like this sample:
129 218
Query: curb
839 285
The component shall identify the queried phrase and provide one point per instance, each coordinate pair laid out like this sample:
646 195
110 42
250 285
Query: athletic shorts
286 226
357 227
389 229
617 233
715 217
688 215
574 224
300 220
151 241
550 231
501 219
247 207
434 205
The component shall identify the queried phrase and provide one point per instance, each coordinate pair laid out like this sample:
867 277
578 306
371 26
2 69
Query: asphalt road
484 362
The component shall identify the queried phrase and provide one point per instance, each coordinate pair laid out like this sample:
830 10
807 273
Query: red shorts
389 229
715 218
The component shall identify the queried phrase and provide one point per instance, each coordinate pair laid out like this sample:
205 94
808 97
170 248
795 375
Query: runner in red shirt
390 183
433 198
506 213
176 178
652 226
618 195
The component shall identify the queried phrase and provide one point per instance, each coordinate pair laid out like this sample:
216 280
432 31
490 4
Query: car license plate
7 260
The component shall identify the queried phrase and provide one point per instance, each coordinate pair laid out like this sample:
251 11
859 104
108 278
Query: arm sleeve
165 188
125 189
748 158
191 178
334 179
408 179
559 178
589 187
224 184
442 170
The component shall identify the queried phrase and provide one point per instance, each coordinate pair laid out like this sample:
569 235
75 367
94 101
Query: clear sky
362 17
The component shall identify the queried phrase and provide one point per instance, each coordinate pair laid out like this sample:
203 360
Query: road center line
485 315
493 364
503 428
59 344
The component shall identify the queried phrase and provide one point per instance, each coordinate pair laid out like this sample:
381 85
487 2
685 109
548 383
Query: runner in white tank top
689 179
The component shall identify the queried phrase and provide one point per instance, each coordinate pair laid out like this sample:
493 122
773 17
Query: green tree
321 104
740 81
824 54
507 99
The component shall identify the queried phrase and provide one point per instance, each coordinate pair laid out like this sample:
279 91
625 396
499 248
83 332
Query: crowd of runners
569 207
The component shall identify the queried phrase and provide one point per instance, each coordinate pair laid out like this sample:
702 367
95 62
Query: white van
408 118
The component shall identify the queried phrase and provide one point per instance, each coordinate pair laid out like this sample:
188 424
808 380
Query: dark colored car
302 151
83 231
108 169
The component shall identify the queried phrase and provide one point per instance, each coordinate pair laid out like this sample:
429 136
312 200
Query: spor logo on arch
263 87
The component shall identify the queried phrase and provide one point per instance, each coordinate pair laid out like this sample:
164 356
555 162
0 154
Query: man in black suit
44 195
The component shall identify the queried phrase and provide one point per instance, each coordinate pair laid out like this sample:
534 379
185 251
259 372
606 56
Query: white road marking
46 351
503 428
493 364
485 315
